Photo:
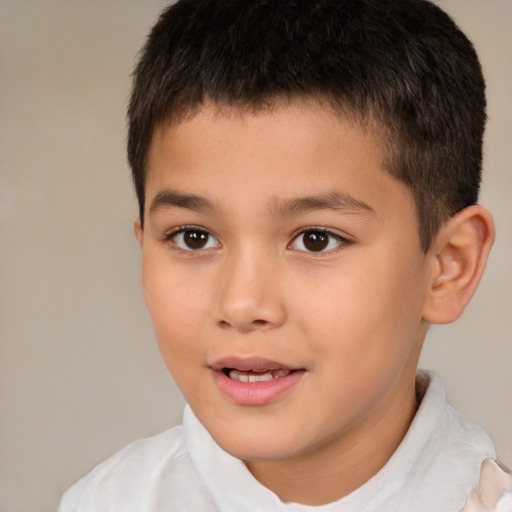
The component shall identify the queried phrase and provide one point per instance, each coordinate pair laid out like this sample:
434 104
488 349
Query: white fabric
183 469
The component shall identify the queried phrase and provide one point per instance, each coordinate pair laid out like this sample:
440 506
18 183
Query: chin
256 445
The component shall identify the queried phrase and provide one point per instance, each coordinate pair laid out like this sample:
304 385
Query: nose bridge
249 293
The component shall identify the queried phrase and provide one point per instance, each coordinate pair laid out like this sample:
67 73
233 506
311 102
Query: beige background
80 375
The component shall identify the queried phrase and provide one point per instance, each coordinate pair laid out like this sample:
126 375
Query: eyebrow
337 201
174 199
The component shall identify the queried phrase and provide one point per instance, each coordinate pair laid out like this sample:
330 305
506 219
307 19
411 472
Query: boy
307 175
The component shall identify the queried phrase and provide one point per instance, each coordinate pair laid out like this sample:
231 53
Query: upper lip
245 364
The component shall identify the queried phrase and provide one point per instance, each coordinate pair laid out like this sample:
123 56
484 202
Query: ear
459 254
138 230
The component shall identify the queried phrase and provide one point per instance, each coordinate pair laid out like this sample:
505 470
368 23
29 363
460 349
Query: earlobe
138 230
459 255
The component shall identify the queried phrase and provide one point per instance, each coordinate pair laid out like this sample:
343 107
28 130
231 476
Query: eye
317 240
193 239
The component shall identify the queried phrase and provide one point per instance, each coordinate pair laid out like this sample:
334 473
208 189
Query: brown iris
195 239
315 240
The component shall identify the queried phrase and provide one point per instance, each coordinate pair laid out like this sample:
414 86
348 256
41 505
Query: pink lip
254 393
247 364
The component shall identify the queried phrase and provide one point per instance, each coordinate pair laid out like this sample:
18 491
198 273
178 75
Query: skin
352 317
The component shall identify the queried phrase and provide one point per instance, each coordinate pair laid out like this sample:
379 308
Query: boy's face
276 250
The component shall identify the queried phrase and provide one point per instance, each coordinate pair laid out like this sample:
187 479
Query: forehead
303 111
278 129
283 152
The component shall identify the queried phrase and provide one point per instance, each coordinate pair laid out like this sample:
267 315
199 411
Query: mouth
255 381
255 375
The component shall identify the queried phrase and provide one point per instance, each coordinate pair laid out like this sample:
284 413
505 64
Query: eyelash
326 237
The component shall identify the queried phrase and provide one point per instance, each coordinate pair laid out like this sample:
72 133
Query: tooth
280 373
238 376
257 375
260 378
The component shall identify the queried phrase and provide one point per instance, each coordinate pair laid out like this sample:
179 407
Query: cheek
176 311
368 316
171 295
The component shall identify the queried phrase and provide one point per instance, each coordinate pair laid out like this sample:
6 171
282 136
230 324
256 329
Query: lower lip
256 393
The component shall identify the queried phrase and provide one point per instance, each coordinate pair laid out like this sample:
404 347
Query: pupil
315 240
195 239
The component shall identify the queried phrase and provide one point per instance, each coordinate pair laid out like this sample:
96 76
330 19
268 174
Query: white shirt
183 469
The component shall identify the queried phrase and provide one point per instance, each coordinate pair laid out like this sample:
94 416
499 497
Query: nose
250 294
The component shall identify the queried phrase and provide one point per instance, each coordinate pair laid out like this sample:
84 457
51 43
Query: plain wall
80 374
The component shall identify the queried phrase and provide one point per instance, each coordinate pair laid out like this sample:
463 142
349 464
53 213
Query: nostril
252 325
223 324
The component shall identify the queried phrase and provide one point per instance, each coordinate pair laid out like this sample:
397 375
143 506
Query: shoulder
466 436
438 462
454 437
457 446
136 477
